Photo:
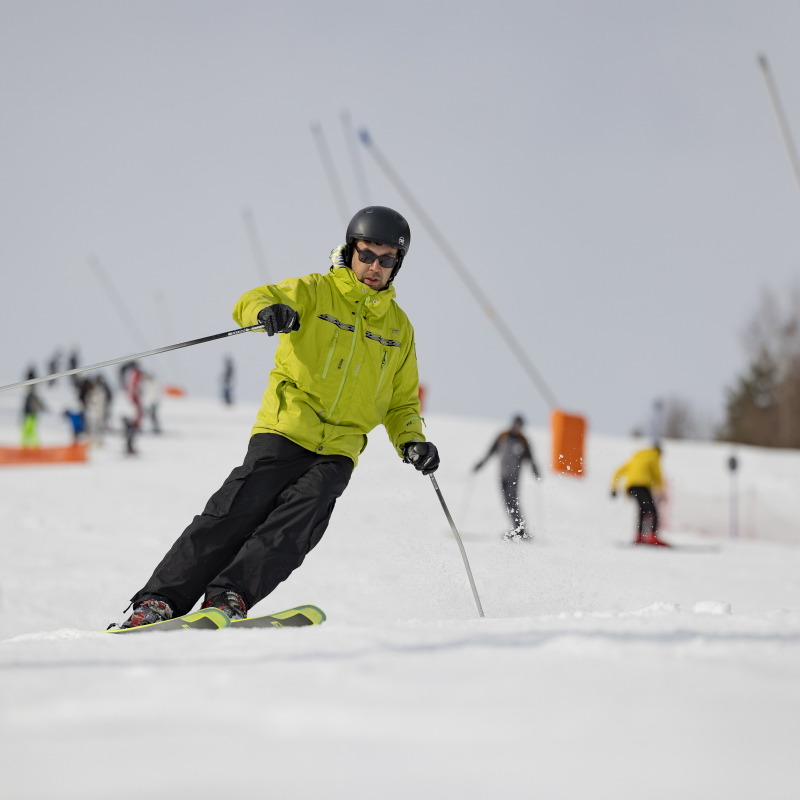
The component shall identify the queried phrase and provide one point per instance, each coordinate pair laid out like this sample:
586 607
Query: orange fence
15 456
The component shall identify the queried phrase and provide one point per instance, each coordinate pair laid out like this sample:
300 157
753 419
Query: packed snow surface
600 671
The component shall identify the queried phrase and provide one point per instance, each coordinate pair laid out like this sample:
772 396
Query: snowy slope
600 671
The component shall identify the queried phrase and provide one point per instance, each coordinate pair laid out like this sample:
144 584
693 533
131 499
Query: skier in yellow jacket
346 363
642 476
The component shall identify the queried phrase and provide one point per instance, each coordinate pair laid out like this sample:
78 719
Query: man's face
372 275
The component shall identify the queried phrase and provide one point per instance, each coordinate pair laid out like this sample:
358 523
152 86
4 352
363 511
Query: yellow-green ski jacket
351 366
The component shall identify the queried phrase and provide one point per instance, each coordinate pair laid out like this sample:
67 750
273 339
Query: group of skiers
642 477
89 415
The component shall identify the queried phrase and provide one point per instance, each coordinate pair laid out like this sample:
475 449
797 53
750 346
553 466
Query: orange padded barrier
43 455
568 435
174 391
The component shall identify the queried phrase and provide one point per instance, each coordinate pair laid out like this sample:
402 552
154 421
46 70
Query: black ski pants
647 507
256 529
511 499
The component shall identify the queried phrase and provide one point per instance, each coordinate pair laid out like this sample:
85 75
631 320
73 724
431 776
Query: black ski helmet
382 225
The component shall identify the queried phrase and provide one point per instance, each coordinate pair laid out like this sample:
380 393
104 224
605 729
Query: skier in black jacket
513 448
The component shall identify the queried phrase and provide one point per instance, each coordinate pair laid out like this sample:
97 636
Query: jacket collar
377 303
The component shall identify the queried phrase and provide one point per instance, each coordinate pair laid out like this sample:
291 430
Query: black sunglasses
367 257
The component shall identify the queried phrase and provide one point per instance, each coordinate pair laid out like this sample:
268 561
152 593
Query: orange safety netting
43 455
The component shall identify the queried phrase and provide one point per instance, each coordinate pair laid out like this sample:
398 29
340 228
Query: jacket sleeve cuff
404 438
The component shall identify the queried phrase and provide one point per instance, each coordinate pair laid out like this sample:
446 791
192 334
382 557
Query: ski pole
130 358
460 546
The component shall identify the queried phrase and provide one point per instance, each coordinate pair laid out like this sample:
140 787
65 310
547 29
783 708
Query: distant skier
31 409
513 449
151 397
83 386
102 384
96 402
227 381
53 366
77 423
72 363
643 476
130 377
346 363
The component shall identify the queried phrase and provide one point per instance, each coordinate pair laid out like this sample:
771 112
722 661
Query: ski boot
652 539
146 612
230 602
516 535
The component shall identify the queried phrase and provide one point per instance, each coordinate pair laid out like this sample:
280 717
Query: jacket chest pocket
330 355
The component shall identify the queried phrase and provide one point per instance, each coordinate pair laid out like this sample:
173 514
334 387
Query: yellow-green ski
298 617
209 619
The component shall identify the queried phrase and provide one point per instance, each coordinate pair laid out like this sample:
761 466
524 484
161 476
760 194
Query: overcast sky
611 173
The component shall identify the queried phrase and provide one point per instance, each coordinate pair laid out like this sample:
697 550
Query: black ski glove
613 492
279 318
423 455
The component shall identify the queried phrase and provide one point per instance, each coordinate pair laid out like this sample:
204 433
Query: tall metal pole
117 301
783 123
330 171
462 272
733 511
355 157
255 244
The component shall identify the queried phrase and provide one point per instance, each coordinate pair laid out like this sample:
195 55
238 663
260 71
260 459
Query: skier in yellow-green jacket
346 363
642 476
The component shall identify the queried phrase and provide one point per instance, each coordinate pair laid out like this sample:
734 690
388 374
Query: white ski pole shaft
780 115
330 171
460 546
130 358
355 157
255 244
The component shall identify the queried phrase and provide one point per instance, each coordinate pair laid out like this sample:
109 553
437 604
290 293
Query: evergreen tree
763 407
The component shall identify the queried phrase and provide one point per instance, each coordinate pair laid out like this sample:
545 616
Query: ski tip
316 611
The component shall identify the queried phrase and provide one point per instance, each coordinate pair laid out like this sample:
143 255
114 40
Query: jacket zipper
349 356
383 369
330 355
